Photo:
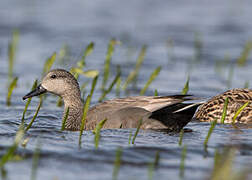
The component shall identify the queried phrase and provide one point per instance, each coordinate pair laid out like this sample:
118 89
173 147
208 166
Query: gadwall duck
156 112
213 108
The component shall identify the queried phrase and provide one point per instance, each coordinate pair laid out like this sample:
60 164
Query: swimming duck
156 112
213 108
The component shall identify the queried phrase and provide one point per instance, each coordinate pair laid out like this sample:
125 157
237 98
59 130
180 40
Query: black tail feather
173 118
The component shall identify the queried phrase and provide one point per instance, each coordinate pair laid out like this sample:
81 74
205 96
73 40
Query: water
45 26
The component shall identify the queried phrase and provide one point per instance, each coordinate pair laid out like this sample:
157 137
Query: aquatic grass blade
153 76
246 85
93 85
10 152
133 74
89 49
118 86
198 45
170 49
156 92
97 132
230 76
181 134
63 54
105 92
106 70
83 121
13 85
186 86
59 102
29 100
223 165
137 130
153 165
35 115
224 112
182 162
239 111
213 124
117 163
89 73
64 119
12 48
48 64
35 161
130 135
242 60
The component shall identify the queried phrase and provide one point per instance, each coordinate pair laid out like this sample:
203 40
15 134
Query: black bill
39 90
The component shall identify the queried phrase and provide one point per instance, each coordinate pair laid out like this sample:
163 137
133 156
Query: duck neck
74 103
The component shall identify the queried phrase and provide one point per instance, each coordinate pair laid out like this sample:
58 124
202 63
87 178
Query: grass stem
137 130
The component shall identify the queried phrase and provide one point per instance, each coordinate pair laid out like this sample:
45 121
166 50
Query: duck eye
53 76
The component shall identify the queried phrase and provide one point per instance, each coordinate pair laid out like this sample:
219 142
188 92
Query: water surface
45 26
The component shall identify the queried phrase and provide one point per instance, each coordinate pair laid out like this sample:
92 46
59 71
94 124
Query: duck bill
39 90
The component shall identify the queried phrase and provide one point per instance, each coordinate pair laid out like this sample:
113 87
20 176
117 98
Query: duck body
156 112
213 108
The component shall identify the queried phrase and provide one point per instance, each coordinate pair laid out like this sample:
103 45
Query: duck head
59 82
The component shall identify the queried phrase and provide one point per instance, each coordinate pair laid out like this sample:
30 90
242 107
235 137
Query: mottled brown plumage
213 108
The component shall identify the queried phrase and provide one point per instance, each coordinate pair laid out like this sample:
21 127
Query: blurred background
185 38
206 42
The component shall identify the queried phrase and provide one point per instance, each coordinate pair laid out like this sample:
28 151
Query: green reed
88 73
35 115
3 173
93 86
89 49
64 54
156 92
230 76
137 130
11 151
64 119
220 64
49 62
97 131
153 165
224 112
213 124
119 81
239 111
83 121
35 84
106 70
59 102
246 84
13 85
186 86
181 134
223 165
118 86
133 74
242 60
106 91
170 49
182 162
130 136
35 161
12 48
152 77
117 163
198 46
82 63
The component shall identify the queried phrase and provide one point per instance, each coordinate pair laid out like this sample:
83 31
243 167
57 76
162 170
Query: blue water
45 26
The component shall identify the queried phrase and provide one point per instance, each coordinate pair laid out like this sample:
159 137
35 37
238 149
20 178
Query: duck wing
126 112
